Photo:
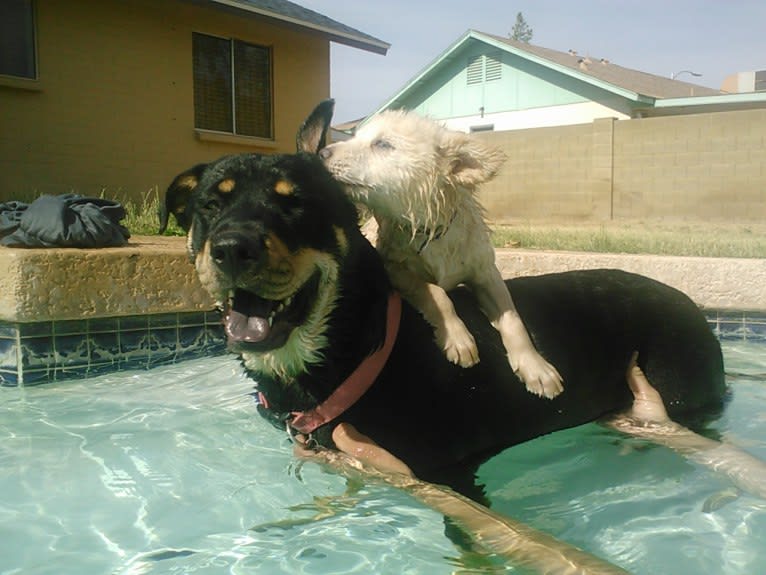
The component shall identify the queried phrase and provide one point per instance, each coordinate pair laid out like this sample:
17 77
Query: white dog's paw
459 346
540 377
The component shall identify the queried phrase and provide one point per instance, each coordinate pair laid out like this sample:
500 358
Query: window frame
233 135
10 79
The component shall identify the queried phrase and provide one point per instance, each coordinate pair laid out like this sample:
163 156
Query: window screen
232 86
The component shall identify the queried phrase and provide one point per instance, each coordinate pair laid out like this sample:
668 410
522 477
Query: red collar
357 383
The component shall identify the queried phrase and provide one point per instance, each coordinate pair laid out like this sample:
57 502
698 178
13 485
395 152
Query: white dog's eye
382 144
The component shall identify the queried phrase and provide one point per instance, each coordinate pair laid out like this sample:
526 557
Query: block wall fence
703 167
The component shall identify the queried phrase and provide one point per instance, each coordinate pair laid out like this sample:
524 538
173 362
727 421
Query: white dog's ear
471 163
312 135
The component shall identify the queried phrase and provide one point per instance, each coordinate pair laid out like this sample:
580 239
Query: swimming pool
171 471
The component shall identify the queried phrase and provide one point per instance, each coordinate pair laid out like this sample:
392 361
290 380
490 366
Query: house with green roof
485 82
114 97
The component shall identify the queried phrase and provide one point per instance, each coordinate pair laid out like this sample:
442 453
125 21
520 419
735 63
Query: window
17 39
484 68
232 86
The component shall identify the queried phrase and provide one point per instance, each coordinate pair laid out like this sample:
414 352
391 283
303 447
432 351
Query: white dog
419 181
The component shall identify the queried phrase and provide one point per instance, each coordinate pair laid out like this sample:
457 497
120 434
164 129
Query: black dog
307 302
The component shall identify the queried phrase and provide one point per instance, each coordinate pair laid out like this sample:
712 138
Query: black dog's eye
382 144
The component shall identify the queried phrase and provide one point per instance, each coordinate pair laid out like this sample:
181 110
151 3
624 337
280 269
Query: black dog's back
610 314
588 323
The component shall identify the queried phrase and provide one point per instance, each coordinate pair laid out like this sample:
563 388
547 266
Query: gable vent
492 67
484 68
475 70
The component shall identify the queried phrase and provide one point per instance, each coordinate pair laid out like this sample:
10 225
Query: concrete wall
113 107
705 167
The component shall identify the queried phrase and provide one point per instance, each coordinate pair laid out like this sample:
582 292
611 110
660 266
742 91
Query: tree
521 30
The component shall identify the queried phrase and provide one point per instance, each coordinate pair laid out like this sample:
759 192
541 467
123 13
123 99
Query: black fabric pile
69 220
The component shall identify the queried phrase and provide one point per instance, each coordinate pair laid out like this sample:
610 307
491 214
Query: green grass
142 217
632 237
678 239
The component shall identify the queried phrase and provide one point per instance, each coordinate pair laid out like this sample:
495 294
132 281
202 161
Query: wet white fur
419 180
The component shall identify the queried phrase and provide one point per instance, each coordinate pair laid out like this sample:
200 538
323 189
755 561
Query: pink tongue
240 327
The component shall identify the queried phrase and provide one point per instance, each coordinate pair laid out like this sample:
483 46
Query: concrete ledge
712 283
152 275
149 276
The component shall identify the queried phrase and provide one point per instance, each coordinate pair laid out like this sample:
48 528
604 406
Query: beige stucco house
115 97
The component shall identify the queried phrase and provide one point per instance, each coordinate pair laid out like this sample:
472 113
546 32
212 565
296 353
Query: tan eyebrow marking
283 188
226 185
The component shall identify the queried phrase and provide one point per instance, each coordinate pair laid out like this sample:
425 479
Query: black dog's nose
234 251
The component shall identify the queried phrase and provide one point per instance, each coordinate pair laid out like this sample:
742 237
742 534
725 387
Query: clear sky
714 38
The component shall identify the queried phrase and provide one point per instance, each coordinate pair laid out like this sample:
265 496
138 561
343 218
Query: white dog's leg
540 377
648 419
450 332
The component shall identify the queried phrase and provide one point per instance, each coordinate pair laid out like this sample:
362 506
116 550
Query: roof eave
746 98
357 41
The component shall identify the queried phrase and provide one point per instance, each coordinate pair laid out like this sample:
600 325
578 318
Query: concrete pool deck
153 275
712 283
73 313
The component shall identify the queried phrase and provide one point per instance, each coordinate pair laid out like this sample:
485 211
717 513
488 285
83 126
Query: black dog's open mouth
266 323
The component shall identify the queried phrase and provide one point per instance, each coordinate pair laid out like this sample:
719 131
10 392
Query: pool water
171 471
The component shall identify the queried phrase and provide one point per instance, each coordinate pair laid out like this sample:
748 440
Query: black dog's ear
177 198
312 135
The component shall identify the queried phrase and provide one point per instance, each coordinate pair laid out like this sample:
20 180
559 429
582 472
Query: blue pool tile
37 353
70 327
37 376
134 361
163 320
134 323
163 345
755 331
157 361
9 355
190 338
104 348
215 335
95 369
71 351
9 378
62 373
8 330
103 325
36 329
213 317
191 319
134 341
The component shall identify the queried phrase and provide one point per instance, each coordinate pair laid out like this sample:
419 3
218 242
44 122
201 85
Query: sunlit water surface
171 471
